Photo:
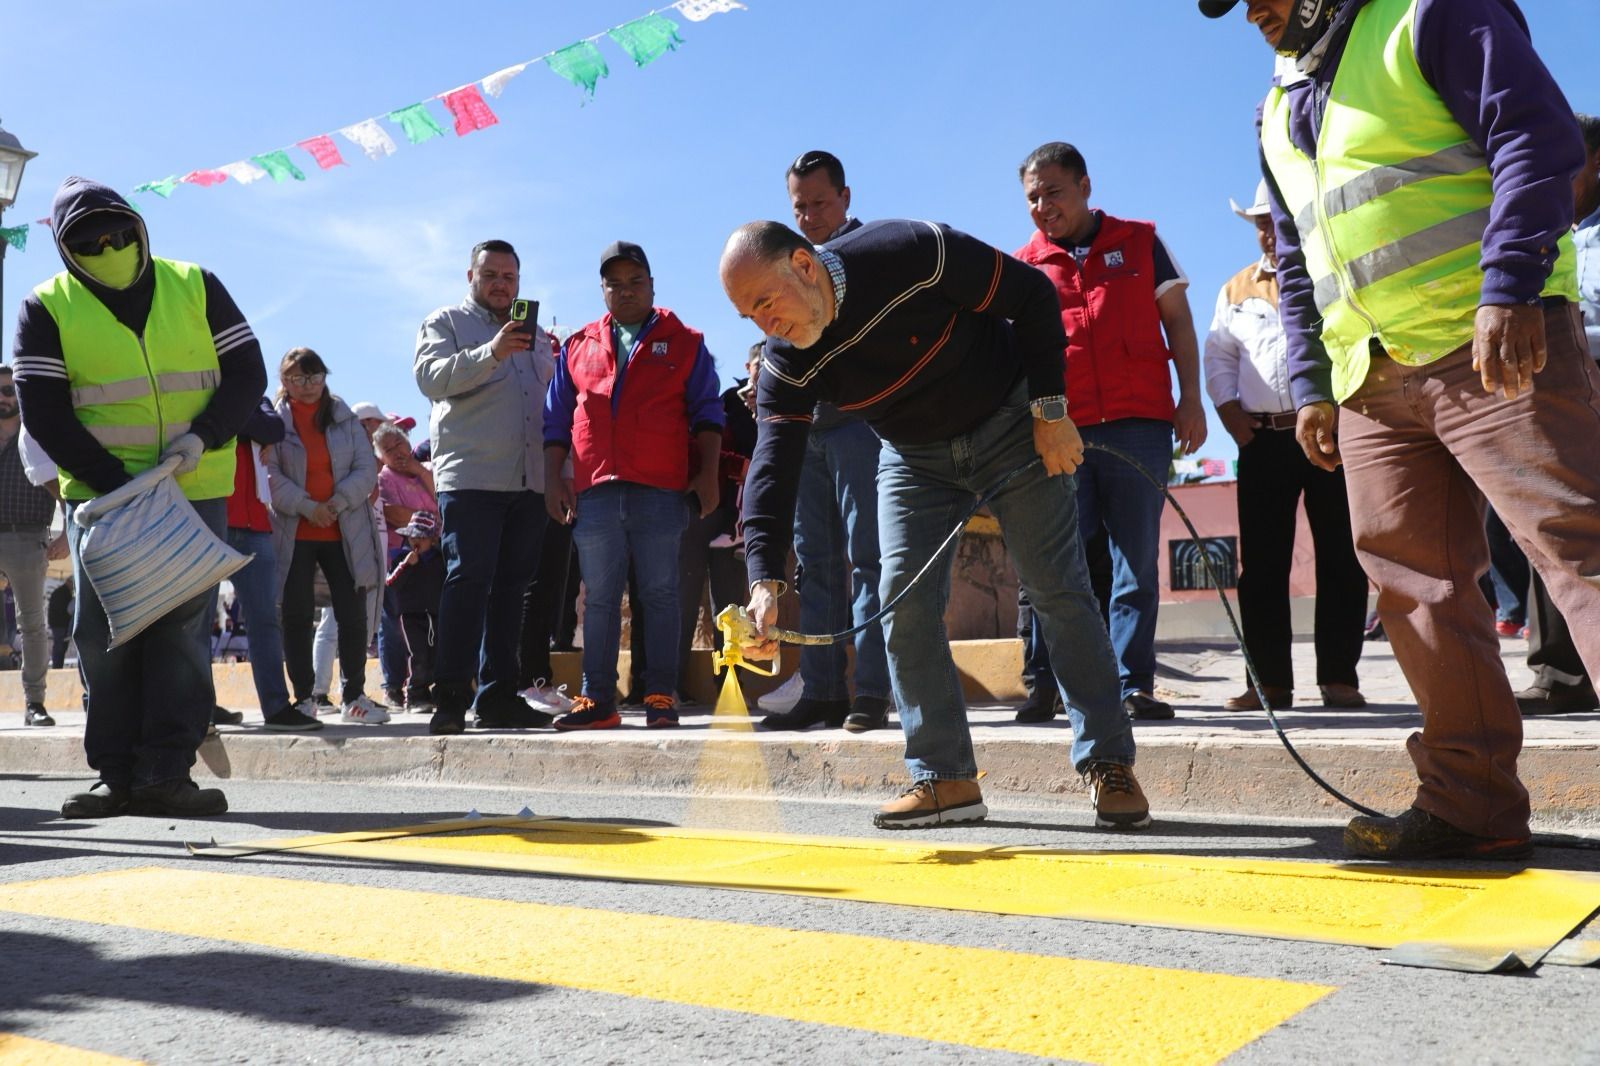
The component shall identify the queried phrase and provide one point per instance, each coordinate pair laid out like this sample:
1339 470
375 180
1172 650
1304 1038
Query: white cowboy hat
1262 205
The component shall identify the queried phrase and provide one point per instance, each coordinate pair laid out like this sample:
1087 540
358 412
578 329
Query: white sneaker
543 696
363 710
784 697
307 707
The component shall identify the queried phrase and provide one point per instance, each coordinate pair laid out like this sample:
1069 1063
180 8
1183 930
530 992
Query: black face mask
1308 21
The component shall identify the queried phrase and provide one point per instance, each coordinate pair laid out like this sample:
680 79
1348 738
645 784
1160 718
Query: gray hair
383 432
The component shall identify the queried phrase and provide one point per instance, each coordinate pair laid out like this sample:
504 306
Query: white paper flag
700 10
370 138
243 173
495 84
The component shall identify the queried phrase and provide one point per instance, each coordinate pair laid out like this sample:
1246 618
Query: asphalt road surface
113 940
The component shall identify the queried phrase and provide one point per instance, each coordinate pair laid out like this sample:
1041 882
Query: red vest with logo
1116 355
640 434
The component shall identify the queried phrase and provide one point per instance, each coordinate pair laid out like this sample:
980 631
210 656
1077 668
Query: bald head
773 277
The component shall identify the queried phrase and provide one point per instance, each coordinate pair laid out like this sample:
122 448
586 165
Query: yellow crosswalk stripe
1052 1006
1475 914
18 1050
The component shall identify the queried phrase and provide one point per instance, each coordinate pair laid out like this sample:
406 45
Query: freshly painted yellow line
1031 1004
25 1051
1526 911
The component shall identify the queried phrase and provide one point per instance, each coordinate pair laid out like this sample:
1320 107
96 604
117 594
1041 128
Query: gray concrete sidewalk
1206 760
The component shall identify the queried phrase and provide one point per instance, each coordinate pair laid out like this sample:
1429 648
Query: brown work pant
1422 448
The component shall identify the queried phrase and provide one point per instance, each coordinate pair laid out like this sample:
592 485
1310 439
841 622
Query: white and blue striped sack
146 551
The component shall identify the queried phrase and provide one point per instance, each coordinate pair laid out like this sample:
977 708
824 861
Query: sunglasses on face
301 381
94 245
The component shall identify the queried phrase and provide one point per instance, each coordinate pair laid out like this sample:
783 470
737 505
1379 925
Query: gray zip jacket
355 472
487 423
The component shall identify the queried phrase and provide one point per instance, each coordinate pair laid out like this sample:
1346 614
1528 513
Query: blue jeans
618 521
150 700
393 652
1113 494
256 587
923 491
836 541
491 549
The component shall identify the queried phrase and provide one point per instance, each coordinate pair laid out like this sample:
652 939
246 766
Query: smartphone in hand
526 314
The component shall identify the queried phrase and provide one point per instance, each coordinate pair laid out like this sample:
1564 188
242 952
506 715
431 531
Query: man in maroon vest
1126 313
634 400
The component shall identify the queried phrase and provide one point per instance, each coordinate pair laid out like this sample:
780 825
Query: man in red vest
634 400
1125 307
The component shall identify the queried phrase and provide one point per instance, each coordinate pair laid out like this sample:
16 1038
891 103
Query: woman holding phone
321 478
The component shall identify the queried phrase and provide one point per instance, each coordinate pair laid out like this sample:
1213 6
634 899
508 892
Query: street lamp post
13 158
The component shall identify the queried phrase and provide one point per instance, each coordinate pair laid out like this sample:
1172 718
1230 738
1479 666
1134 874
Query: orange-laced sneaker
660 712
587 714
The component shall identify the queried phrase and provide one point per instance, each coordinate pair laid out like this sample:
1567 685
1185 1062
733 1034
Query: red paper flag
204 178
469 109
323 150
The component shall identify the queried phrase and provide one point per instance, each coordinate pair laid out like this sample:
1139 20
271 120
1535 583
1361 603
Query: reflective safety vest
137 394
1392 211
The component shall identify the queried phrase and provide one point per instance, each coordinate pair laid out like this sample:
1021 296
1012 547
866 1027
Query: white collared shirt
1246 357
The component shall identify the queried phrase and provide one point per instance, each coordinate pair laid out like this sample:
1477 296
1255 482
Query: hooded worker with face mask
121 360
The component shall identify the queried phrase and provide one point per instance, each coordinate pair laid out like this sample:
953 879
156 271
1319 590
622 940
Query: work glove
191 447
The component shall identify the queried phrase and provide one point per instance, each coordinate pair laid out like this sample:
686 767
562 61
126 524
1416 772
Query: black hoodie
43 385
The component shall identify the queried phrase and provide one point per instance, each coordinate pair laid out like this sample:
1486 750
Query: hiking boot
1537 700
808 712
222 716
290 720
1119 802
932 802
178 798
1041 705
511 711
587 714
1347 697
1143 707
35 714
659 712
101 801
1277 698
1416 834
866 714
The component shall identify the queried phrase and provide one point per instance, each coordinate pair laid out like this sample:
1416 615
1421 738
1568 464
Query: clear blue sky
931 106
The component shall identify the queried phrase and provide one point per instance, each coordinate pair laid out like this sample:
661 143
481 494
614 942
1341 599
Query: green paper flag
647 39
581 64
16 236
418 125
162 188
277 164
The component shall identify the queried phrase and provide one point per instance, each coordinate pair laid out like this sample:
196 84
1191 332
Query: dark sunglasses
116 241
8 390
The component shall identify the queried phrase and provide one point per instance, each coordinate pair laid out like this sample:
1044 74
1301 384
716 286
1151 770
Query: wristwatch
1049 408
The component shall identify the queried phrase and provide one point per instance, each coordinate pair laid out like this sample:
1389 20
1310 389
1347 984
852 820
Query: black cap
1215 9
623 250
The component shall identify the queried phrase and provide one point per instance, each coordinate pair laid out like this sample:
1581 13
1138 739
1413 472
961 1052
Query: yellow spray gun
739 629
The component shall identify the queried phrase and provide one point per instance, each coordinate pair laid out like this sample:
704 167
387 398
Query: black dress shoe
1143 707
866 714
1416 834
1537 700
807 713
35 714
1040 706
223 716
101 801
447 723
178 798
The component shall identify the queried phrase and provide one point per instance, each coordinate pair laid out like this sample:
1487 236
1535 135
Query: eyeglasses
301 381
8 390
116 241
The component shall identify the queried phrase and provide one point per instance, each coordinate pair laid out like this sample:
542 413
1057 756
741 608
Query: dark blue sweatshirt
935 329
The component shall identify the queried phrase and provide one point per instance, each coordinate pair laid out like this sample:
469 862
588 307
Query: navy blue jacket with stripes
935 329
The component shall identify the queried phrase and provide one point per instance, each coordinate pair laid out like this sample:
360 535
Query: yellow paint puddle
1004 1000
1526 911
25 1051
